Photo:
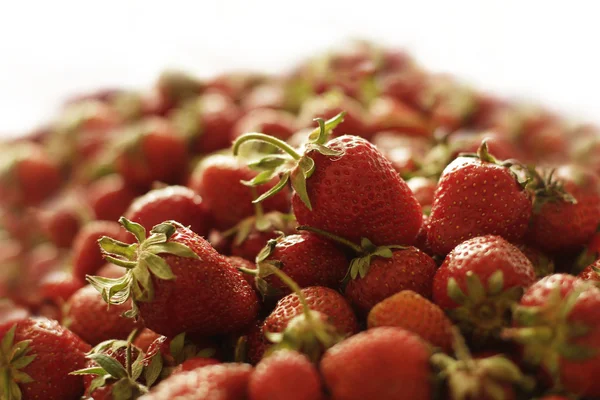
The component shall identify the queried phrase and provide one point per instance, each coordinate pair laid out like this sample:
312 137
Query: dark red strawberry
567 201
477 196
217 179
279 124
386 363
479 281
306 258
256 342
89 317
177 203
37 356
152 151
285 375
413 312
346 187
207 121
109 197
87 257
28 175
219 382
557 323
177 281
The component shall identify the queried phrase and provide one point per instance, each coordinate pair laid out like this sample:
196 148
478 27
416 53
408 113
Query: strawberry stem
331 236
261 137
483 153
295 288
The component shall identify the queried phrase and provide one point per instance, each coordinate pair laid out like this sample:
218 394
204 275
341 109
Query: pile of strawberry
358 228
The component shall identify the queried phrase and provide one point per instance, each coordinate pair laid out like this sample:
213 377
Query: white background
541 50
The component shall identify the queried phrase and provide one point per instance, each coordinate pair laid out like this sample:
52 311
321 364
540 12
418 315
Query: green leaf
266 251
174 248
326 151
14 390
321 134
110 365
166 228
496 282
455 292
22 362
354 267
154 369
261 178
269 162
137 367
157 266
109 246
176 346
142 287
98 382
122 390
138 230
299 185
383 251
89 371
119 262
21 377
475 289
7 340
280 185
19 349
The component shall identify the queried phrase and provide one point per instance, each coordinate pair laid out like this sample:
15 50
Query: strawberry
542 264
499 146
217 179
413 312
242 264
195 363
180 349
423 189
11 312
109 197
145 338
591 272
59 286
477 196
37 355
151 151
256 342
61 218
88 317
306 258
218 382
392 115
479 281
87 257
566 201
285 375
557 324
177 203
28 175
207 120
381 363
325 178
279 124
589 254
177 282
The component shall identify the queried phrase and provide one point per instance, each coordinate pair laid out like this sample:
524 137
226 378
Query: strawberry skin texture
208 296
359 194
256 343
93 321
177 203
87 257
214 382
475 198
309 260
577 376
59 351
482 256
109 197
385 363
217 180
285 375
413 312
409 269
321 299
561 226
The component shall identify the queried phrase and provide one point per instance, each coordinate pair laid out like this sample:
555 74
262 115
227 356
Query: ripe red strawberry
413 312
218 382
557 323
423 189
406 269
58 286
109 197
392 115
479 281
177 281
195 363
589 255
88 317
306 258
182 348
285 375
591 272
28 175
477 196
256 342
346 187
62 217
381 363
177 203
37 355
243 264
566 201
207 120
217 179
87 257
153 151
279 124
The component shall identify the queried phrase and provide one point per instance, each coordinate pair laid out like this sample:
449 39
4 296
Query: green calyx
365 252
142 261
469 378
546 189
13 358
294 165
547 335
483 310
123 378
310 332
